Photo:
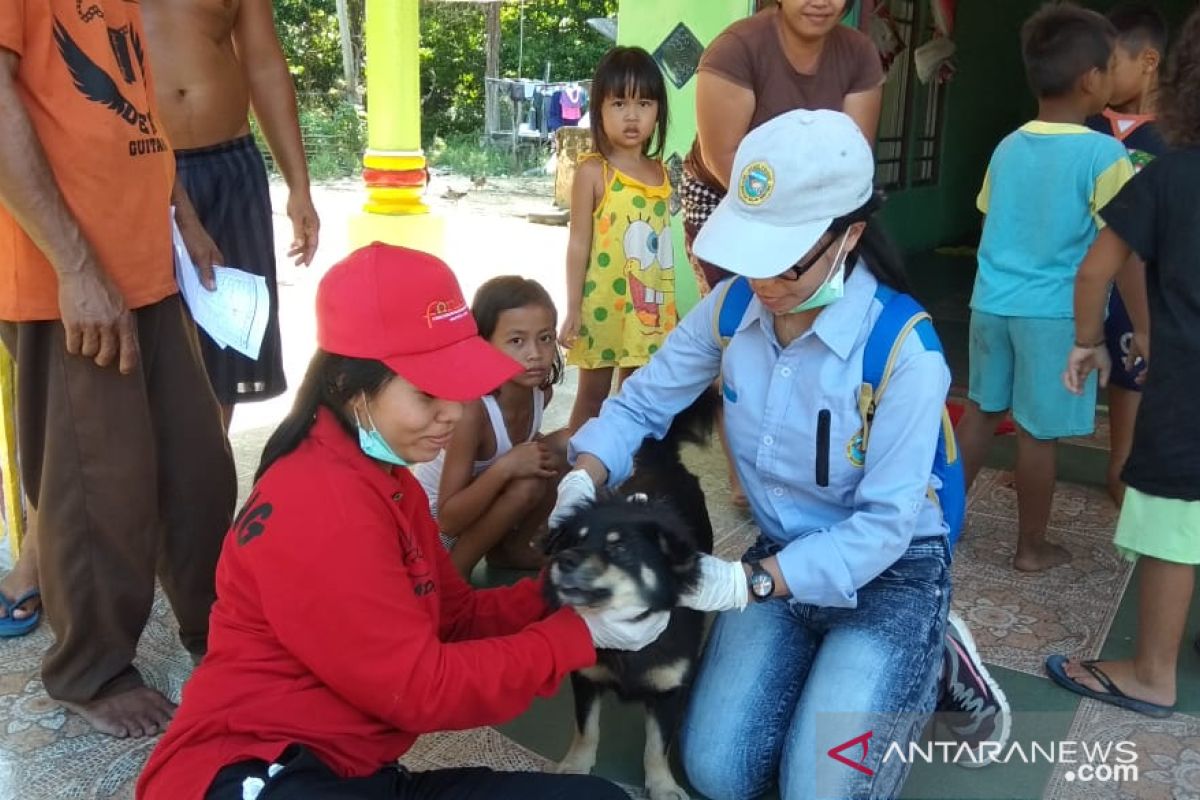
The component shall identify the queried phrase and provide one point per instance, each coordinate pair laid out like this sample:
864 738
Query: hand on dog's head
621 552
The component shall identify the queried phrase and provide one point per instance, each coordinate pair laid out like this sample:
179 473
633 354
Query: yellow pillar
394 164
14 518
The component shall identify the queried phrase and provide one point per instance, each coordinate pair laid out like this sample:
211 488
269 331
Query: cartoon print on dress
650 268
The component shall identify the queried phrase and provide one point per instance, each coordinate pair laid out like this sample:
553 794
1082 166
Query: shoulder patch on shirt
251 521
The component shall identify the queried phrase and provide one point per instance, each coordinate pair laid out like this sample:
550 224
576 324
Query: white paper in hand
235 313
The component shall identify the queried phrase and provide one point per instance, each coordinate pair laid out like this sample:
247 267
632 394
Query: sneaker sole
963 634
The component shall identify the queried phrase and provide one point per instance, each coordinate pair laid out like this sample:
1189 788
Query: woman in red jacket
341 630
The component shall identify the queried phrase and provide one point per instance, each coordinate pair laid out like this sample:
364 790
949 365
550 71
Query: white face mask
833 287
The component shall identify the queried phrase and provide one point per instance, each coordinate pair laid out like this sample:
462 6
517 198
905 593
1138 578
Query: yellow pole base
419 231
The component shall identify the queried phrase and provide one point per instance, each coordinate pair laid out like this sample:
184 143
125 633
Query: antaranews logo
1085 760
836 753
872 754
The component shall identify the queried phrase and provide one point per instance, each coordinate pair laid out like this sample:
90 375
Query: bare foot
1124 675
135 713
1042 557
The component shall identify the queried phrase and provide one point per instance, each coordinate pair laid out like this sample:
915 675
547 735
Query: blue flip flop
10 627
1056 668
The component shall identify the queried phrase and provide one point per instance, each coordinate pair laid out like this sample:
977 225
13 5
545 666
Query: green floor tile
1041 713
1083 465
547 729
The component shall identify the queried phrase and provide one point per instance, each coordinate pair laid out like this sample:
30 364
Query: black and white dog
639 547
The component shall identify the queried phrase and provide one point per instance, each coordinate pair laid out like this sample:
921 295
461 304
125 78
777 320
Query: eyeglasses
797 270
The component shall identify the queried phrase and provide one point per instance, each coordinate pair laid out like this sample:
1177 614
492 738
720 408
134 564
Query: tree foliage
453 54
308 31
453 51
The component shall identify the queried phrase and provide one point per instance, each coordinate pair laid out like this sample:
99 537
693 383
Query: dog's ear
678 546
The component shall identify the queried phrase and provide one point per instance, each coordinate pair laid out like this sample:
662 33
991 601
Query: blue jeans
782 683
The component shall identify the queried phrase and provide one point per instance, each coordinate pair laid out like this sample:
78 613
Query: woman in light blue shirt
850 578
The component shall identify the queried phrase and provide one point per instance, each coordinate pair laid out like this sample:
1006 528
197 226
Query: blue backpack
901 315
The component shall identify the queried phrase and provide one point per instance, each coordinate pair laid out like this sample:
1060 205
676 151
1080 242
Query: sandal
1056 669
9 625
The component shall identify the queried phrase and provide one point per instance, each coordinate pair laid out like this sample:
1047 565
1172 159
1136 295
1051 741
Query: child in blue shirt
1042 195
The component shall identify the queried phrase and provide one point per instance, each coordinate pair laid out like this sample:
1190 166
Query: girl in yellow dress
620 264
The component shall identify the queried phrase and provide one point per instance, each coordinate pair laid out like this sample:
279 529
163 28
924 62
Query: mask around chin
372 443
833 287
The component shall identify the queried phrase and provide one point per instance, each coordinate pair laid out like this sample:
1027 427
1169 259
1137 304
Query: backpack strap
731 307
901 314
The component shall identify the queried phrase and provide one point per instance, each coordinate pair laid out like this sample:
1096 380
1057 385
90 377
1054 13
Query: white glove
574 490
622 630
722 586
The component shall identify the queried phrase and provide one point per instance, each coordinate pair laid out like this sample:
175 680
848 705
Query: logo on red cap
444 311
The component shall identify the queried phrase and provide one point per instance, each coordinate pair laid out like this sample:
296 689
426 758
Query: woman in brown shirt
792 54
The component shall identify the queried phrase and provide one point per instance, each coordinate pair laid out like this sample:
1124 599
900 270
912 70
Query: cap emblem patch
756 183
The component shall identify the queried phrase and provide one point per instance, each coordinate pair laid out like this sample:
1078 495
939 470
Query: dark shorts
304 777
1118 333
227 183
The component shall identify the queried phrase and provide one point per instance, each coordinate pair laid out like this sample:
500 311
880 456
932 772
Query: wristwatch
762 585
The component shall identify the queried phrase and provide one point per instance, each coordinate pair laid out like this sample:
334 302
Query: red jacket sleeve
348 599
469 613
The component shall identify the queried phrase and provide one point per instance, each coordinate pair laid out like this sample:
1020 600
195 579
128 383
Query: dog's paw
665 790
574 763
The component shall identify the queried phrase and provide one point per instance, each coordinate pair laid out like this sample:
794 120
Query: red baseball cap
404 307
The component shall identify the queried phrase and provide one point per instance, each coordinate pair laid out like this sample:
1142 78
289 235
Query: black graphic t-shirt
1158 215
85 82
1138 132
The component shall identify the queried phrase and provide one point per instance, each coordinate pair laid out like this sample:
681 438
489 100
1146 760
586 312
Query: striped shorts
227 183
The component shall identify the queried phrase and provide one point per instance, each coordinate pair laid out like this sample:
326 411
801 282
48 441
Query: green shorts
1159 527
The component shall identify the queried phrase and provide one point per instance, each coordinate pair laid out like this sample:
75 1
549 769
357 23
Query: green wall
987 99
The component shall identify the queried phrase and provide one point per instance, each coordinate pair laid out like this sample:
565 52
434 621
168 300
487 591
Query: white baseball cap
792 177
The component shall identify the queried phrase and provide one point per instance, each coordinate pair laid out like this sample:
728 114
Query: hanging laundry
554 119
934 60
572 103
885 33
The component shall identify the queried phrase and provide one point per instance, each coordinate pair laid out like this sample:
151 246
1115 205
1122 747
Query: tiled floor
1082 608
